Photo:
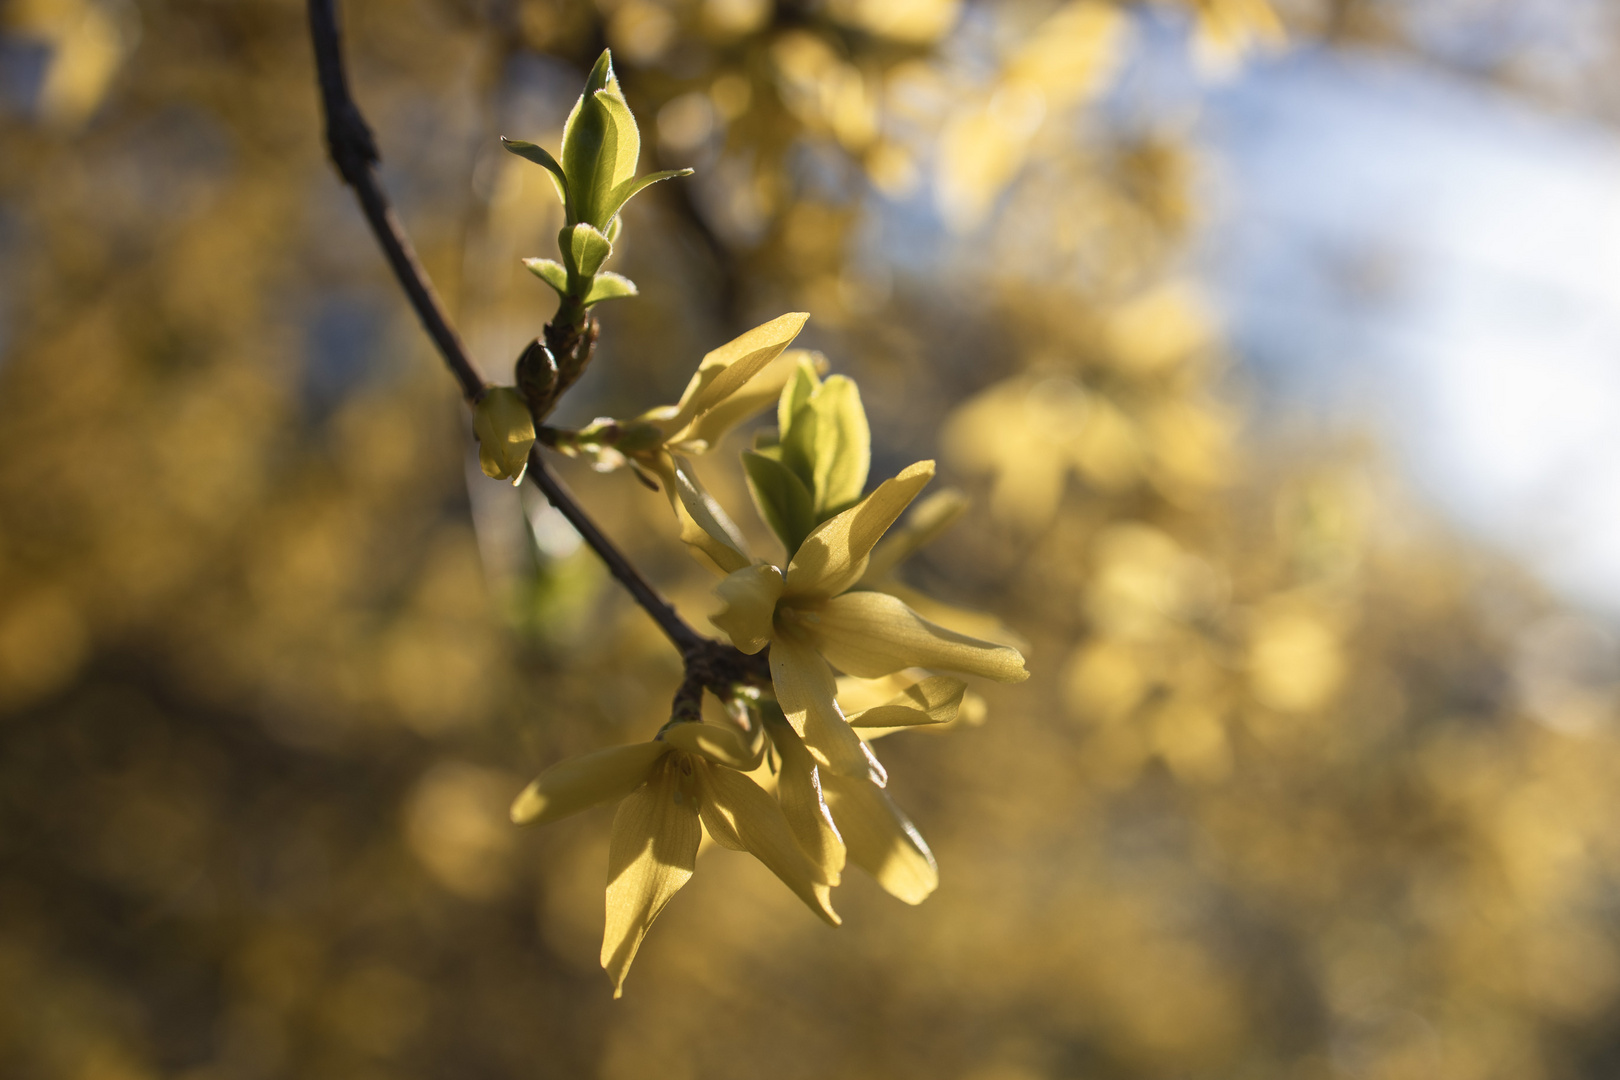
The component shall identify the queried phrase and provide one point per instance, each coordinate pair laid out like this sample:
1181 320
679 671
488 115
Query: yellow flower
733 383
814 619
505 431
688 780
835 816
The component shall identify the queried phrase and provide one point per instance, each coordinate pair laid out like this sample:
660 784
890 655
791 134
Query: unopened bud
505 431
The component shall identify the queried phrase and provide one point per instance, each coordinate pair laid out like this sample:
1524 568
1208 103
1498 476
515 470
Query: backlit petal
756 395
705 528
739 813
750 596
798 788
582 782
932 701
806 691
872 633
834 556
728 746
926 521
654 847
724 371
881 840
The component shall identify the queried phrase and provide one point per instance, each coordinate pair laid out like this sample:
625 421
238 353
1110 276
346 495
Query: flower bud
505 431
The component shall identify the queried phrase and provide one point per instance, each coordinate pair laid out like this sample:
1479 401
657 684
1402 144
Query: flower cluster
789 774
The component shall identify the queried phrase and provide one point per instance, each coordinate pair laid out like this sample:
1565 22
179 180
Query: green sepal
781 498
541 156
551 272
610 286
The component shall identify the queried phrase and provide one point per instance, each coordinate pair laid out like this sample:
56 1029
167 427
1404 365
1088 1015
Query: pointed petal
705 528
582 782
833 557
737 811
932 701
654 847
724 371
798 788
881 840
750 595
805 689
977 624
725 745
872 633
756 395
926 521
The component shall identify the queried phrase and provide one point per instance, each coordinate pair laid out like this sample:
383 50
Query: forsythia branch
354 152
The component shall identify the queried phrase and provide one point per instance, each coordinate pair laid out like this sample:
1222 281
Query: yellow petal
724 371
926 521
881 840
750 596
758 394
806 692
833 557
798 788
705 528
505 431
977 624
654 847
872 633
725 745
932 701
739 814
582 782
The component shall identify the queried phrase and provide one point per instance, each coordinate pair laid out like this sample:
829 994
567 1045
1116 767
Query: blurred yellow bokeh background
1309 784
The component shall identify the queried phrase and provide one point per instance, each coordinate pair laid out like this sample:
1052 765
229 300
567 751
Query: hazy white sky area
1398 245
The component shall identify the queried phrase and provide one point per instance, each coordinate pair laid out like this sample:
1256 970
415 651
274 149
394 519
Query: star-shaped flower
814 619
688 780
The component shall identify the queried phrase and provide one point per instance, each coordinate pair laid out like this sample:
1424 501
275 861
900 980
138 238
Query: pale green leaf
843 446
541 156
781 499
609 286
551 272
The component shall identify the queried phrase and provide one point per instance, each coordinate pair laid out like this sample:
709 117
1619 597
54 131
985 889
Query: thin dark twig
354 152
662 611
